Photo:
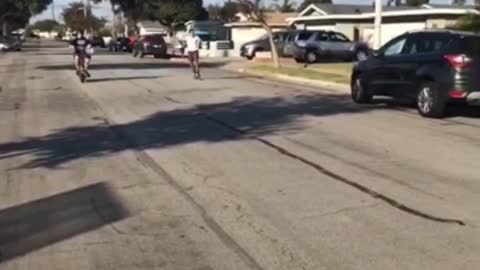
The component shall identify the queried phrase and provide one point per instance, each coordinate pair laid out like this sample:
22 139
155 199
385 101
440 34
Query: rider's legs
86 64
76 62
196 64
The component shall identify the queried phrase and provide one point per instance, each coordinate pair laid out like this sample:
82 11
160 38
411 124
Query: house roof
338 9
276 19
357 12
448 6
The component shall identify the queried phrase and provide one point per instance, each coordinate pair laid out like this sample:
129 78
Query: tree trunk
114 20
273 48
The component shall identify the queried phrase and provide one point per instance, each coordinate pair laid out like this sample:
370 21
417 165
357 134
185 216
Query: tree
17 13
171 13
307 3
46 25
470 23
416 3
459 2
256 13
74 17
225 13
285 6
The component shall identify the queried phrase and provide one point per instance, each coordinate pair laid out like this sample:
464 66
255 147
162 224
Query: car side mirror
377 53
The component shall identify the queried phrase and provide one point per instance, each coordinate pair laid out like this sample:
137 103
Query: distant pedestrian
193 43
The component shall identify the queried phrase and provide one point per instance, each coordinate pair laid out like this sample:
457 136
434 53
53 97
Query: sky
103 9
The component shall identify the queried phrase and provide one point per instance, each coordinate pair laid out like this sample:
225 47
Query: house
357 21
150 27
245 30
45 34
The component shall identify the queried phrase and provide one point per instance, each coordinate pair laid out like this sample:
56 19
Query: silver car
312 46
262 44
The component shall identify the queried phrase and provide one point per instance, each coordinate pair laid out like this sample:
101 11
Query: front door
340 45
384 77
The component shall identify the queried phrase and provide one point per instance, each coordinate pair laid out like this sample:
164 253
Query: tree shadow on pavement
37 224
97 80
249 116
141 65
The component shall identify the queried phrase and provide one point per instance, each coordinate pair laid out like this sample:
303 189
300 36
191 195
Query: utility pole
378 24
53 10
85 10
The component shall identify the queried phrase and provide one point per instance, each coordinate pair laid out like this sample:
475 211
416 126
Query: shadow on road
159 65
253 116
31 226
96 80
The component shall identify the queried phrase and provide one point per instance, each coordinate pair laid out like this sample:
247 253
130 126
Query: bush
105 32
470 23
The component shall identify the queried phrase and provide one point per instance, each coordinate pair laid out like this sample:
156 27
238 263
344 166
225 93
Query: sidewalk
335 76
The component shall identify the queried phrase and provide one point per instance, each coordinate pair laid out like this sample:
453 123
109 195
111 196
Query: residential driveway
144 167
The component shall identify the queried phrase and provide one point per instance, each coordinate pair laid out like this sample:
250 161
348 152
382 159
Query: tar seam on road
150 163
340 178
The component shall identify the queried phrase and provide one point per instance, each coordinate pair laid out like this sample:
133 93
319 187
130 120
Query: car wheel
299 60
157 56
311 57
429 101
360 94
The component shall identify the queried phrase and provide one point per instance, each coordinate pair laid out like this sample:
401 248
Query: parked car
312 46
98 41
434 68
290 41
3 45
33 35
249 49
11 43
120 44
150 45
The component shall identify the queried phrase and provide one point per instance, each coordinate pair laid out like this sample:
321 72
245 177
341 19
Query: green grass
338 73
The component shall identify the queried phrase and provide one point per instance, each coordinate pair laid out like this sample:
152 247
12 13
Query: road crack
371 192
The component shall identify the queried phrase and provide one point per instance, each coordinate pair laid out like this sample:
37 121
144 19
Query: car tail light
457 94
458 60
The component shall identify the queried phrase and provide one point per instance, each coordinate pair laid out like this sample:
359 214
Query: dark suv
150 45
434 68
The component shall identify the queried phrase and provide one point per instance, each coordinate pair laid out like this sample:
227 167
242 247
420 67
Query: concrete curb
338 87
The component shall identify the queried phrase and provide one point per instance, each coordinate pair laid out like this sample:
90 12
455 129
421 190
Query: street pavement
143 167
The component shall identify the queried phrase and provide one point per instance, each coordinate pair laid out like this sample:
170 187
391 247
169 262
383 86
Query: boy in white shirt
193 46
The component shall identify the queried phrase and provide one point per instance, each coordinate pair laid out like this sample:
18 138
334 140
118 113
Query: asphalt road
145 168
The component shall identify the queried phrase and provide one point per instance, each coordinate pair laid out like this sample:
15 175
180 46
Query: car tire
299 60
157 56
311 57
359 92
430 102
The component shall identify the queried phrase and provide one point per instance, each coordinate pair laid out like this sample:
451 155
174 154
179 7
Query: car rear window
470 45
155 38
304 35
